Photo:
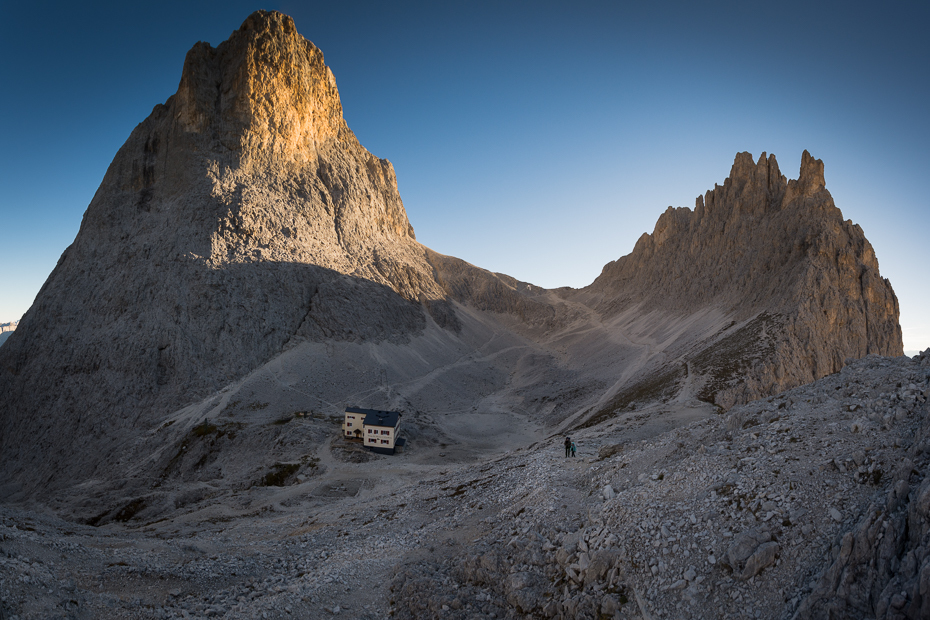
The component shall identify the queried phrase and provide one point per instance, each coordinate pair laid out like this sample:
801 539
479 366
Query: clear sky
538 139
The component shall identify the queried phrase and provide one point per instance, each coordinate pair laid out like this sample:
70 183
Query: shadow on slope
118 366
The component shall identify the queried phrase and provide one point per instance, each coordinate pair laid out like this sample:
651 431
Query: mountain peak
262 20
239 218
762 245
811 180
264 91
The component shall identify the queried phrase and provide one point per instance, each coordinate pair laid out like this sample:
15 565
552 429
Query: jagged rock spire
760 243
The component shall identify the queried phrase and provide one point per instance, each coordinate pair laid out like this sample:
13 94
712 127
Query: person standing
573 449
568 446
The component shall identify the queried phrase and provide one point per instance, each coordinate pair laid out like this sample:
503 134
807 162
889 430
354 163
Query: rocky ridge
775 255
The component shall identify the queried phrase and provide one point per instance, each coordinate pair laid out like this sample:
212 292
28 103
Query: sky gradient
535 139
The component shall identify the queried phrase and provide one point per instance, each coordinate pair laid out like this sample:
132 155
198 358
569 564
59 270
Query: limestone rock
744 546
763 556
882 569
605 452
801 284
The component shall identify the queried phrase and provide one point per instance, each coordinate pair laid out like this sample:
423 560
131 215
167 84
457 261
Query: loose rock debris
811 504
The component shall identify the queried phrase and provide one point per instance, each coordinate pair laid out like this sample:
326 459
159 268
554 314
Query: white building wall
352 422
376 436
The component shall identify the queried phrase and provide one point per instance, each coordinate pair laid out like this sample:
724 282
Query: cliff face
256 129
802 284
241 215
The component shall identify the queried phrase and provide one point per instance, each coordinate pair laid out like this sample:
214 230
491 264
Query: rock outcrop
801 284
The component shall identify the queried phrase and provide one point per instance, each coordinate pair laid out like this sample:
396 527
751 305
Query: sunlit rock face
776 253
256 127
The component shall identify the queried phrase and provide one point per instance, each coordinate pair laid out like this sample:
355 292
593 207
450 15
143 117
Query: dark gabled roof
374 417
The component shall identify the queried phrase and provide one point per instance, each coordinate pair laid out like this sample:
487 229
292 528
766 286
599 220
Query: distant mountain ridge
243 220
6 329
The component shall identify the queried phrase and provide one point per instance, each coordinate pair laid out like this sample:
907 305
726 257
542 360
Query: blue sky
536 139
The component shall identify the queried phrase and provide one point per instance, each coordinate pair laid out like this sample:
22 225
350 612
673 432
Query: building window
348 424
385 432
385 441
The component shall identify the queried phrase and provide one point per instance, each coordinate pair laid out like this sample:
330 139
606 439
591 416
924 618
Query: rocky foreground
811 504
